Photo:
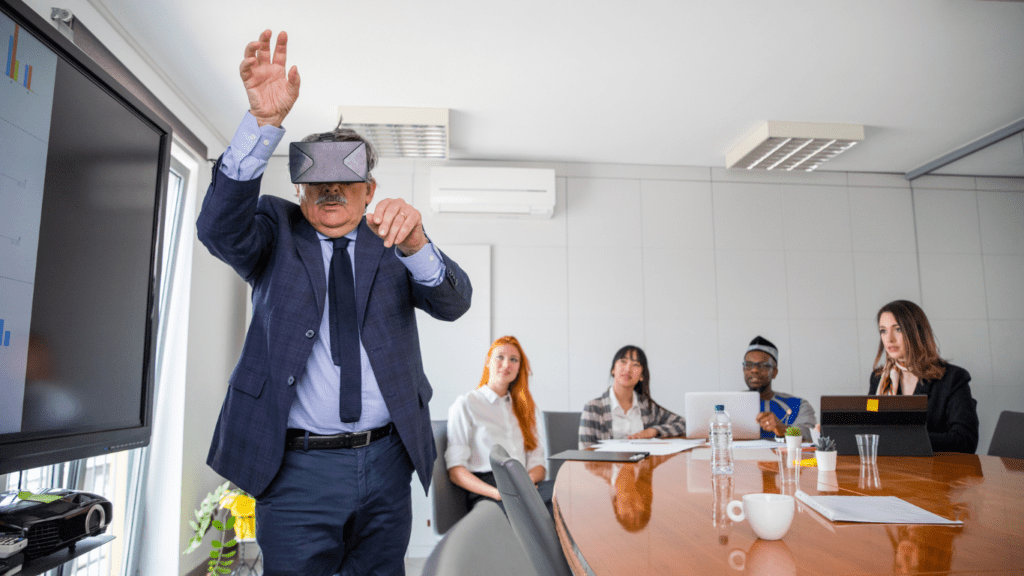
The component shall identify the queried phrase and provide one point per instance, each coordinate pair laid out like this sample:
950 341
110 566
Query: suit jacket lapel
369 250
307 243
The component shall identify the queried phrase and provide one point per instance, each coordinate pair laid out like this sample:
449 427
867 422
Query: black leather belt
295 439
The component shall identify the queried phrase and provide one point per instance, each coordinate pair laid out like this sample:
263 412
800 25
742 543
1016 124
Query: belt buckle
365 442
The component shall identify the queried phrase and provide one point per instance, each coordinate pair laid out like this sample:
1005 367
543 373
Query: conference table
666 515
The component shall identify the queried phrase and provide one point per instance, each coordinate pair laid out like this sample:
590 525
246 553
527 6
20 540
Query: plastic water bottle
721 441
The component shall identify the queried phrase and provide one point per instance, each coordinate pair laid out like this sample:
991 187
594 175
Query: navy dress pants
345 511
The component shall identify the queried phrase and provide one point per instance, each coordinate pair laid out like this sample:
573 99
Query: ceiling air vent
793 145
400 132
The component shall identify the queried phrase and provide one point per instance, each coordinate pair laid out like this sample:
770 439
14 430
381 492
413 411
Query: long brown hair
523 405
922 354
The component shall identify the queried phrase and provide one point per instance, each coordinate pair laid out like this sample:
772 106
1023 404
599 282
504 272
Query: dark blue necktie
344 332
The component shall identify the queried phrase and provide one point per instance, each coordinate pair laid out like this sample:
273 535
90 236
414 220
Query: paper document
872 509
756 444
653 446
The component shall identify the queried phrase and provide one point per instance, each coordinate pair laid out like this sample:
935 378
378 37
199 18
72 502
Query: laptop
742 407
899 421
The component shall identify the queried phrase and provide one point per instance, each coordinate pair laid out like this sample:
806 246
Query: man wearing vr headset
326 416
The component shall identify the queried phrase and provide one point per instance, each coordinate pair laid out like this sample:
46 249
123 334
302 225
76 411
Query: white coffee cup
769 515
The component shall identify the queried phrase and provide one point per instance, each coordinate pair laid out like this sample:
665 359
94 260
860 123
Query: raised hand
271 92
399 224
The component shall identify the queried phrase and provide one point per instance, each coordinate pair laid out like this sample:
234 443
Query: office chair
563 432
1008 438
481 543
528 515
449 500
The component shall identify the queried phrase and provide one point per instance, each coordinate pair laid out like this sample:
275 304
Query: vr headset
318 162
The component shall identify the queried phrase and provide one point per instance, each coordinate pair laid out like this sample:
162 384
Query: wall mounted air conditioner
524 192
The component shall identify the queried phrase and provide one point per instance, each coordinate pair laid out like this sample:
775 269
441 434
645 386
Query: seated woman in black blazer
912 366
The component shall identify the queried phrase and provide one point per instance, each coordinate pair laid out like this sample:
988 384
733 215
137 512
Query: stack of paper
653 446
872 509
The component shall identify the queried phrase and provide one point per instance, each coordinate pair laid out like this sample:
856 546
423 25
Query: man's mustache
331 198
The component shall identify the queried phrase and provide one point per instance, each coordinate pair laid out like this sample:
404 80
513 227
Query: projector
53 519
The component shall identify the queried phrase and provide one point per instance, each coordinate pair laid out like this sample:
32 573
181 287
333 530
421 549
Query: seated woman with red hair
500 411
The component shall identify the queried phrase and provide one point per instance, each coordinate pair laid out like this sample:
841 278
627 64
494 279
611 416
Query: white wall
691 263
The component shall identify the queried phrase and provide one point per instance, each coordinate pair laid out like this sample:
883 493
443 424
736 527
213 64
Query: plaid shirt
596 420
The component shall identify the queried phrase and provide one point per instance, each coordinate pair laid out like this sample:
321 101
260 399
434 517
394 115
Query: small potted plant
225 510
825 453
793 440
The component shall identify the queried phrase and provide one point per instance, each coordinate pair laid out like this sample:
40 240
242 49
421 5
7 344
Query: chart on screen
26 105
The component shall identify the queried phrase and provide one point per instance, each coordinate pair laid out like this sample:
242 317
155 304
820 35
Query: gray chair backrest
563 431
528 515
449 500
481 543
1008 438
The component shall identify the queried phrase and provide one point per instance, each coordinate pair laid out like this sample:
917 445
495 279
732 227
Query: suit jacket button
291 380
310 333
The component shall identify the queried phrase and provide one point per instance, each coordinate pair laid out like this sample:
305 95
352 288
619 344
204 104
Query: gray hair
340 134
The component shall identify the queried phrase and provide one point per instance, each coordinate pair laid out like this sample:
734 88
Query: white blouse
479 420
625 422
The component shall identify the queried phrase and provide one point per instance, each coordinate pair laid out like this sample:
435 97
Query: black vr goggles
318 162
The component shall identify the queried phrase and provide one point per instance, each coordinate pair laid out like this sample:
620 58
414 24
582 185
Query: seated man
778 410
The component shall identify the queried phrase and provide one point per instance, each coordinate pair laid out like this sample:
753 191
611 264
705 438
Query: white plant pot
793 450
826 460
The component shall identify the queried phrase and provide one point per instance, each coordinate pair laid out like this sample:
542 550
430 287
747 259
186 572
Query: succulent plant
826 444
793 431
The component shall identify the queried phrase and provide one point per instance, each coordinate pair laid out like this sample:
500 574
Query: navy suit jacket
270 244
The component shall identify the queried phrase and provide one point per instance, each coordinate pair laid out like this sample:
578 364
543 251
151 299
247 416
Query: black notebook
594 456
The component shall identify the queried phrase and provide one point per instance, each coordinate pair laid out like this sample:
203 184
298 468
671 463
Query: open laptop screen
742 407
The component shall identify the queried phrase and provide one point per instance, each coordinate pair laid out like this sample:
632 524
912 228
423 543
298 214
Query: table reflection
723 487
869 477
828 481
765 558
929 549
630 489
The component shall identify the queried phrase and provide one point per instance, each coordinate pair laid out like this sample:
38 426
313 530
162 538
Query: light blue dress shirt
316 404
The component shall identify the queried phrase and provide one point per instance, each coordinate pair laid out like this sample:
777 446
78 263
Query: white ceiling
640 82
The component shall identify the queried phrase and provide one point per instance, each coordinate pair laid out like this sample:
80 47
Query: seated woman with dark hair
627 410
500 411
908 363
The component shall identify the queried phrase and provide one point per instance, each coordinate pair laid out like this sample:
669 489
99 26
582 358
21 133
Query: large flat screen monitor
83 177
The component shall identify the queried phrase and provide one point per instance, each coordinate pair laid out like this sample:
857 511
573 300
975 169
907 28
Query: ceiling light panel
400 132
793 145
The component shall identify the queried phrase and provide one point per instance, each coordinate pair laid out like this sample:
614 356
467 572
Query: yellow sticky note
872 404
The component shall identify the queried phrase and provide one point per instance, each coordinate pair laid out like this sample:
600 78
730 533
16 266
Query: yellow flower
246 527
244 506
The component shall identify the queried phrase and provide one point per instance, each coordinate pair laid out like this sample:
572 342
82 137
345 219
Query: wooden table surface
665 515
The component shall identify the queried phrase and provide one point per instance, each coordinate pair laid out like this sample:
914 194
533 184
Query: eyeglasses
765 366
